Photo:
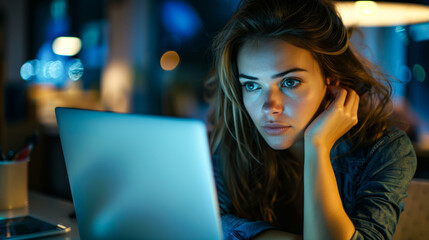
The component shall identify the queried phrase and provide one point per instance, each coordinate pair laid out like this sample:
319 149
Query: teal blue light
419 32
26 71
75 70
419 72
406 73
58 9
29 69
55 69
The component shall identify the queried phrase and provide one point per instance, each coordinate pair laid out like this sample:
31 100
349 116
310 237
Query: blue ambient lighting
55 69
51 69
419 72
403 34
419 32
75 69
55 72
405 73
30 69
58 9
94 45
180 18
26 71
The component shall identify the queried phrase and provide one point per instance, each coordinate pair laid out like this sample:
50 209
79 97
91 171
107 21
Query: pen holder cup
13 184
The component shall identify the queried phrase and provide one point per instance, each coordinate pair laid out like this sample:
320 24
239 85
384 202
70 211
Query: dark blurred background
151 57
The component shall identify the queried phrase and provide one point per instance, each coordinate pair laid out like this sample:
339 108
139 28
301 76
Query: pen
23 152
25 149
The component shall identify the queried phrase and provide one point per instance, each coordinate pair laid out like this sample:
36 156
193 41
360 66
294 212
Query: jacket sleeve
235 228
384 183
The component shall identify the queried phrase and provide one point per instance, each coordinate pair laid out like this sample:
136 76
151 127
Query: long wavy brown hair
255 176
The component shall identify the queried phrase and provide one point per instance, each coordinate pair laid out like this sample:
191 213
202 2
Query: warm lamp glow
372 14
116 86
169 60
366 8
66 46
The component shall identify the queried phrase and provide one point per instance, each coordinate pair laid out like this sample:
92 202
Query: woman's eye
251 86
290 83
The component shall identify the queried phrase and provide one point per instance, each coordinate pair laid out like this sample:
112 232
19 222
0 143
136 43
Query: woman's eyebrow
247 77
287 72
277 75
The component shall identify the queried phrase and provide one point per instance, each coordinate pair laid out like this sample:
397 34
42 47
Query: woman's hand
324 215
336 120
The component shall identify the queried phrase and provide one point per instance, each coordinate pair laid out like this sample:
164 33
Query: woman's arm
324 214
235 228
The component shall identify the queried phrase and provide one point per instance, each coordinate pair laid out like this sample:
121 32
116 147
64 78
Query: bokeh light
94 44
405 73
169 60
402 33
90 35
45 70
419 72
58 9
29 69
55 69
180 18
75 69
54 72
419 32
26 71
66 46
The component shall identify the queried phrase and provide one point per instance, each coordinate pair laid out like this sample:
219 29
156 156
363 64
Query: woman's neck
297 151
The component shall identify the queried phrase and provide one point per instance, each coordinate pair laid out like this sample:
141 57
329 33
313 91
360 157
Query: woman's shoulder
393 142
386 140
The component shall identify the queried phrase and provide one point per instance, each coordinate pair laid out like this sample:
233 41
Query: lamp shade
379 14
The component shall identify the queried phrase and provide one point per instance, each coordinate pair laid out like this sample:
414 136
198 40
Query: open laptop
138 176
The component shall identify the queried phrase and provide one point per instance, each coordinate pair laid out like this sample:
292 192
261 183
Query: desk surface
50 209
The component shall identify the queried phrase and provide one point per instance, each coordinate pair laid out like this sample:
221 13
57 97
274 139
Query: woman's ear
332 82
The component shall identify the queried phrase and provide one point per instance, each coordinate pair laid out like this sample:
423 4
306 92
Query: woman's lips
275 129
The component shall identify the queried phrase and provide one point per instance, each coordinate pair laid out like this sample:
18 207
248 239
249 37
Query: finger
353 103
339 95
350 100
356 105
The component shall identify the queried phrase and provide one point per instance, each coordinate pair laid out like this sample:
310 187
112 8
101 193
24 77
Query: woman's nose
273 102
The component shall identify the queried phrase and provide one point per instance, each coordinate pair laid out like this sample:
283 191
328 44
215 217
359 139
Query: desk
50 209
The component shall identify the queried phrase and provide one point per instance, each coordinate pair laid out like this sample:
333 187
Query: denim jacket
372 183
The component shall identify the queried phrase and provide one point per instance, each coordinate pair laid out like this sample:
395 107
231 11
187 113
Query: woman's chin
279 145
283 142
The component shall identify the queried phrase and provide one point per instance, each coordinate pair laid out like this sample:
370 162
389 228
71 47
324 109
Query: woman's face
282 89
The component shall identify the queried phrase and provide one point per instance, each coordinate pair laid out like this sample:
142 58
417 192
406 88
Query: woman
301 133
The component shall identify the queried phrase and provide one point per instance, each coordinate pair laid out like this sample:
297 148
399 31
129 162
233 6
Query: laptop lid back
138 176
